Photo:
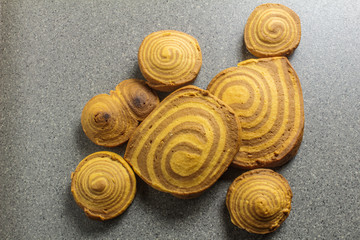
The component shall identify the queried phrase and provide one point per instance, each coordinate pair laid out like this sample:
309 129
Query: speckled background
56 55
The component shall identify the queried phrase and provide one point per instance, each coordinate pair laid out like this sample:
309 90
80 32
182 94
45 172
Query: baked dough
272 30
109 120
169 59
259 201
266 96
186 143
103 185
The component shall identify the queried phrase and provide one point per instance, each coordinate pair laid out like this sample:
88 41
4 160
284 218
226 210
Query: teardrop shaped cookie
266 95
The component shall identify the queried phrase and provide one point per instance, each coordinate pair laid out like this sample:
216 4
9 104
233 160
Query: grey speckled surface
56 55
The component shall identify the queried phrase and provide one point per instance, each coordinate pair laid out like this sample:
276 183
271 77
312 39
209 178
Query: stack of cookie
251 116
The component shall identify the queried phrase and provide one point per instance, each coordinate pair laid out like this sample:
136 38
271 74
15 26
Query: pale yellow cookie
259 201
103 185
169 59
272 30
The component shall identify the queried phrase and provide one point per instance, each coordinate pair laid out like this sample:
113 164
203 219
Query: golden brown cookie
266 96
103 185
186 143
272 30
109 120
169 59
259 201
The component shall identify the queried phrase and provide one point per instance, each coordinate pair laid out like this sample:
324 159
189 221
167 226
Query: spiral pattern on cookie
186 144
259 201
169 59
103 185
272 30
266 95
106 122
139 98
109 120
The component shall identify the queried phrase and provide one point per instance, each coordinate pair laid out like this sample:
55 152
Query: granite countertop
56 55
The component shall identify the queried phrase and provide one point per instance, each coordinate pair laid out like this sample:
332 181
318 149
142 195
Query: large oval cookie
169 59
103 185
186 143
266 95
272 30
259 201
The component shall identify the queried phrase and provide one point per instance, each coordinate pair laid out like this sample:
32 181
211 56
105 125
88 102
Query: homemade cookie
103 185
169 59
109 120
259 201
186 143
266 96
272 30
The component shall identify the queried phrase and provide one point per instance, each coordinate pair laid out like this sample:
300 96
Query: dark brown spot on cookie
101 117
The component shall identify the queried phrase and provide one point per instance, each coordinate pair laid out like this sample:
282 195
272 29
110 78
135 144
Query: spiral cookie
103 185
169 59
139 98
272 30
266 95
109 120
186 143
259 201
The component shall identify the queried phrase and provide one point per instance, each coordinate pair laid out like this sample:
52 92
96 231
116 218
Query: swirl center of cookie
262 207
98 183
139 100
275 28
185 163
101 117
165 52
236 94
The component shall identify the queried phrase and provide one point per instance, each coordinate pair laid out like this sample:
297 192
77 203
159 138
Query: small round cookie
106 121
138 97
266 95
169 59
186 143
109 120
272 30
103 185
259 201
